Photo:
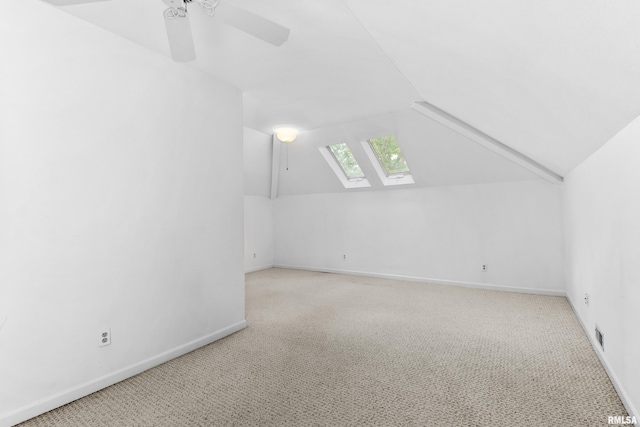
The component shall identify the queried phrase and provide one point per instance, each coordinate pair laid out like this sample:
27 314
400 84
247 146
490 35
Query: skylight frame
342 166
394 179
382 163
335 166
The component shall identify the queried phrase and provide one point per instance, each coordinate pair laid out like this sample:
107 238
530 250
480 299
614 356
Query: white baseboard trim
46 404
486 286
624 397
254 269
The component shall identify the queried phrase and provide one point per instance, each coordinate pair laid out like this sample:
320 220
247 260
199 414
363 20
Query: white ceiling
552 79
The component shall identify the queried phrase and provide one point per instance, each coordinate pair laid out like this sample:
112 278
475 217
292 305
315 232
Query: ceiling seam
381 48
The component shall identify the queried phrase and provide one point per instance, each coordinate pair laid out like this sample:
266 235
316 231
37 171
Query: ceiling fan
179 28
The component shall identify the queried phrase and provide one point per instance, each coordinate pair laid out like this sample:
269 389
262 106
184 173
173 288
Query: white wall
258 233
112 210
258 207
443 233
257 163
602 233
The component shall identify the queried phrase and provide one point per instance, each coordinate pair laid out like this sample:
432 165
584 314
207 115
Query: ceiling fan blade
180 38
70 2
252 24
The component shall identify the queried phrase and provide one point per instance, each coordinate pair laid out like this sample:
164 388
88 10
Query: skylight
388 161
342 162
389 155
347 162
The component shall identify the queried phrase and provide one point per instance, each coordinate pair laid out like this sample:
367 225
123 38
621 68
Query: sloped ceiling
436 155
552 79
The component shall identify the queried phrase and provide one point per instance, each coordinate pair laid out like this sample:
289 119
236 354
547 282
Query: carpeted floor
334 350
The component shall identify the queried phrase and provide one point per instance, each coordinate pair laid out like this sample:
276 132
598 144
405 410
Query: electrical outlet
254 255
105 337
484 267
600 337
344 257
586 299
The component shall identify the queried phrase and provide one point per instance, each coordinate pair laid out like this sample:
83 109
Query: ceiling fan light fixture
179 29
208 6
287 135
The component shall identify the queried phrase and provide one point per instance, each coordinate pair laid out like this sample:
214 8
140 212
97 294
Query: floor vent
600 338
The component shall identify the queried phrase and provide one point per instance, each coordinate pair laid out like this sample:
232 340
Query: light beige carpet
334 350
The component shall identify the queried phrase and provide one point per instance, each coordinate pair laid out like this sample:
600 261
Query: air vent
600 338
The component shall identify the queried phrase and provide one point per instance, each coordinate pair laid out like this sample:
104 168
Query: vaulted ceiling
552 79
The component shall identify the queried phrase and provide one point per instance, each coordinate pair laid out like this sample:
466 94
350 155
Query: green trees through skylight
389 154
347 162
384 154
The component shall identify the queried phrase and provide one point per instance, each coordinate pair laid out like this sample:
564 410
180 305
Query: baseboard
486 286
41 406
254 269
624 397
